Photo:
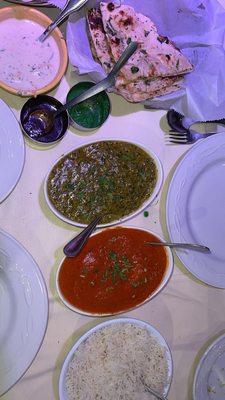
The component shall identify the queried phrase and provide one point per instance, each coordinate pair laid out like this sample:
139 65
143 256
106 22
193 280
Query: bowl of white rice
115 360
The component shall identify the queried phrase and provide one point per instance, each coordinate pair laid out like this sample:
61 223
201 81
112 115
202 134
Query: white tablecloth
187 312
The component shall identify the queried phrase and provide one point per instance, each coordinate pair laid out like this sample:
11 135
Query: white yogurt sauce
25 63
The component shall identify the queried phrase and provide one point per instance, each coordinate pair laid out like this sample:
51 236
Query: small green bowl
91 113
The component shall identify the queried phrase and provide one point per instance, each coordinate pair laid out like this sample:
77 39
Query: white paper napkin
197 27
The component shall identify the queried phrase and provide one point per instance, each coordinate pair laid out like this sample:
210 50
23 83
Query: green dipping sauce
91 113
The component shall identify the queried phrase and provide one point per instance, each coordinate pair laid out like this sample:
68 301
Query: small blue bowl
60 125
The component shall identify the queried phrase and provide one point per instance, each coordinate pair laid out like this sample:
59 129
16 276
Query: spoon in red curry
76 244
192 246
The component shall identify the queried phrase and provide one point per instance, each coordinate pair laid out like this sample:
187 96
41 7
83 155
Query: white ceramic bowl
126 217
150 328
165 280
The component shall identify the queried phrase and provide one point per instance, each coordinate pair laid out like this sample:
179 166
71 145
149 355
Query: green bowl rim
76 124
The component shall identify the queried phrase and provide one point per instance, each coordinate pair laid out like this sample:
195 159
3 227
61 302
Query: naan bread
137 97
141 90
99 45
157 66
156 56
148 85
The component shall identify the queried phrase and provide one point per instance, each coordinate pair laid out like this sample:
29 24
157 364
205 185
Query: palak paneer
108 178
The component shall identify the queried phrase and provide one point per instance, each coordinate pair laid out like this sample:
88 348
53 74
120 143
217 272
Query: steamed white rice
113 363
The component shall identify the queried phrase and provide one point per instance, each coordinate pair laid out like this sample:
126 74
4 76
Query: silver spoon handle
131 48
152 391
70 7
157 395
198 247
99 87
105 83
75 245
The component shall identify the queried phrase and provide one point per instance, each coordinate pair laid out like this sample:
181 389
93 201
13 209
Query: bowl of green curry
115 179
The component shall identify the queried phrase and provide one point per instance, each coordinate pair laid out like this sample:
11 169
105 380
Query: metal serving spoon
157 395
76 244
152 391
70 7
46 117
192 246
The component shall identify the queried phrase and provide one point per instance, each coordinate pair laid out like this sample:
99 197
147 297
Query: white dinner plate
24 310
12 151
209 379
195 209
153 331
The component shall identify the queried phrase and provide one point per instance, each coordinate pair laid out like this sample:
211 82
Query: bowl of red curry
116 271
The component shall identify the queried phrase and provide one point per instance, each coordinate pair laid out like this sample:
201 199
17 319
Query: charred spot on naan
95 19
111 6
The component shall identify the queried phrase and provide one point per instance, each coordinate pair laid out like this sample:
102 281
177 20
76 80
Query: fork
187 137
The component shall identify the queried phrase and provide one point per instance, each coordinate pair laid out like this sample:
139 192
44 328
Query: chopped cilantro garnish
70 186
134 284
134 70
123 275
112 255
125 260
101 180
105 276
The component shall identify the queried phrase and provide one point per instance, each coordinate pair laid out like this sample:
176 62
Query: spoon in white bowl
192 246
152 391
70 7
157 395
